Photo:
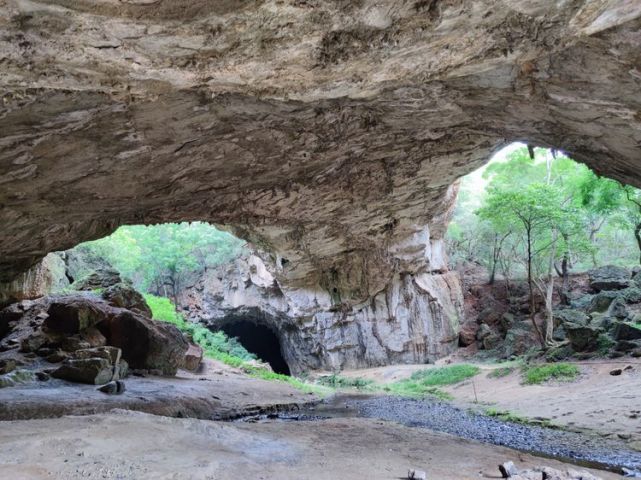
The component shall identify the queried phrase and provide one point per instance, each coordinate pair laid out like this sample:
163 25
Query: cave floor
215 392
134 445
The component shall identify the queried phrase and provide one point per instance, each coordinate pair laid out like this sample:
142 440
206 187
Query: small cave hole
259 340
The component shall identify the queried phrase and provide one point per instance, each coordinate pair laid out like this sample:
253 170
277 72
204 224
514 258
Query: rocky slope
414 319
602 317
327 133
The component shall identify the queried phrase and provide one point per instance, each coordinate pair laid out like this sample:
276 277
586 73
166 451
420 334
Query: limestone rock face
327 132
414 319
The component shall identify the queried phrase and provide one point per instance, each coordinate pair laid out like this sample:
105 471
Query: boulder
569 315
73 343
193 357
93 365
123 295
7 365
609 277
559 334
57 356
145 343
93 370
626 345
74 314
115 387
467 334
492 341
627 331
16 377
506 322
483 332
33 342
582 337
93 337
8 317
98 279
517 342
618 308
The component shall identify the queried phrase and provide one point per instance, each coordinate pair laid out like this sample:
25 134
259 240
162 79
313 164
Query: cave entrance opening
259 340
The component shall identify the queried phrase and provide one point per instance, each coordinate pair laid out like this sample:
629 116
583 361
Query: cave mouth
259 340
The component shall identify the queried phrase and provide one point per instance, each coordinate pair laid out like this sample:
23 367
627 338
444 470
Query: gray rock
609 277
492 341
72 314
483 331
414 474
98 279
582 337
7 365
145 343
618 308
627 331
508 470
124 295
517 342
115 387
96 371
569 315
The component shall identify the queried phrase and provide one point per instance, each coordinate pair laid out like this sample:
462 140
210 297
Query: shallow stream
578 448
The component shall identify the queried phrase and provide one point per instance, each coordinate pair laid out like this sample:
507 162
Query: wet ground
581 449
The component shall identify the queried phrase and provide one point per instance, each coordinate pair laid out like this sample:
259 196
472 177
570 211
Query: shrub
564 372
216 345
336 381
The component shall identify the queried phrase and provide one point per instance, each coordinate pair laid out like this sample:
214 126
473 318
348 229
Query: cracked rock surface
327 133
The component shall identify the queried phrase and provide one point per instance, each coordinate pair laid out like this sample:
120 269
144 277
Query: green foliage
500 372
216 345
426 382
563 372
160 258
595 219
337 381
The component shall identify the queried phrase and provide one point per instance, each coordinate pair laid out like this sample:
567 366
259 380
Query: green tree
534 213
162 258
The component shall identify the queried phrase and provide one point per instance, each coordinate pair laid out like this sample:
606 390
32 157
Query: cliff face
414 319
328 133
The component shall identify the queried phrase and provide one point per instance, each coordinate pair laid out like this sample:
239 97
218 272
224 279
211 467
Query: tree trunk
549 325
530 284
637 235
565 280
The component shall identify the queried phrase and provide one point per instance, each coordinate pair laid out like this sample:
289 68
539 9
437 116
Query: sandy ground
216 392
134 445
596 401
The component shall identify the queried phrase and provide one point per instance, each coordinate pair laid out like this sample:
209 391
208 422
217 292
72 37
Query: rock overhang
327 132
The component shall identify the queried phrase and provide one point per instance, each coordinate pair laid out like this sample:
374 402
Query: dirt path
133 445
596 401
217 392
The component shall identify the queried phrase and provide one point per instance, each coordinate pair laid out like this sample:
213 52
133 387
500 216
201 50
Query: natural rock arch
327 133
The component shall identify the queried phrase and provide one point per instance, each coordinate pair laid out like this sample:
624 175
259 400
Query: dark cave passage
259 340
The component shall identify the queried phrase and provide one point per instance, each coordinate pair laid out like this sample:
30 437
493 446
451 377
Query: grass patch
220 347
500 372
406 388
337 381
426 382
563 372
507 416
